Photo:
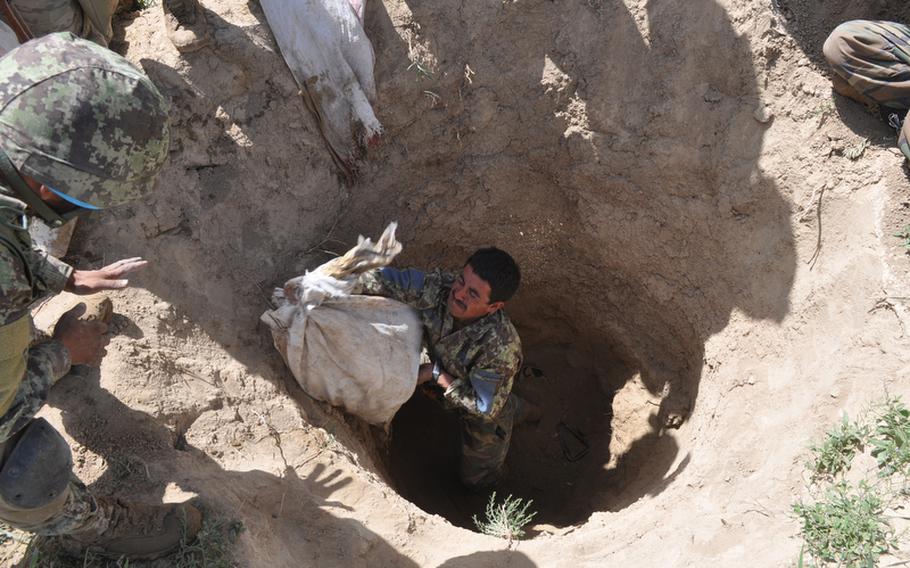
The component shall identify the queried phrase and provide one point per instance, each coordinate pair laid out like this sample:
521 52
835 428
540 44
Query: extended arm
413 287
481 393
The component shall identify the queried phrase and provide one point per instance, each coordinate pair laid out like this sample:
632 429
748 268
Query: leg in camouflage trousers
871 61
484 445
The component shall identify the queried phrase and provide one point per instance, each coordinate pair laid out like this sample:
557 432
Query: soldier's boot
138 531
185 24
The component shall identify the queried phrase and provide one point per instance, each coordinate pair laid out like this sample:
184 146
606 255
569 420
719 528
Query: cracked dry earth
674 180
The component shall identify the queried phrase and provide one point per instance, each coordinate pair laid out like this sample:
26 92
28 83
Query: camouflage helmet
82 120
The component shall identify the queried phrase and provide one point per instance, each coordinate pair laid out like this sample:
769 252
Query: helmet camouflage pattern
81 120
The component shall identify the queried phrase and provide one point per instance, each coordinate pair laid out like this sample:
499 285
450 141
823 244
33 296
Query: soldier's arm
413 287
477 394
26 374
45 364
51 274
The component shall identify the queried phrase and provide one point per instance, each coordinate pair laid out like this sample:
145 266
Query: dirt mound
697 251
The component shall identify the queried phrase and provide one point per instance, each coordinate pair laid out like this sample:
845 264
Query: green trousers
484 445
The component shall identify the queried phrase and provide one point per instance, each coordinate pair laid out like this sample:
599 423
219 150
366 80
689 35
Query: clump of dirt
709 279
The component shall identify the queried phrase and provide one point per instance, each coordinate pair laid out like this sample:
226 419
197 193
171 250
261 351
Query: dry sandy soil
696 248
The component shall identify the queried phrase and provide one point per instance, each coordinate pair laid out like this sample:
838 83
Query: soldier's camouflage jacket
84 121
483 356
26 275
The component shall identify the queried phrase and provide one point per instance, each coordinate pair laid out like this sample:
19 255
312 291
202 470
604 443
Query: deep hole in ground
553 462
615 152
622 172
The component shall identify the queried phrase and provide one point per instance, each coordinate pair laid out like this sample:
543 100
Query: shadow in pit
865 122
287 517
617 162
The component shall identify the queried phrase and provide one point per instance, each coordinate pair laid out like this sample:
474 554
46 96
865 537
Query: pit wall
614 149
656 170
595 145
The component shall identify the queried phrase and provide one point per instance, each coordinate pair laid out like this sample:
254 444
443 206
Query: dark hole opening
556 462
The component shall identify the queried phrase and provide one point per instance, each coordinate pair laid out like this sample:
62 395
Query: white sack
8 39
358 352
331 58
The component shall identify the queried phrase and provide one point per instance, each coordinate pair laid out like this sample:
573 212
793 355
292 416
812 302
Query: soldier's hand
425 373
85 340
111 277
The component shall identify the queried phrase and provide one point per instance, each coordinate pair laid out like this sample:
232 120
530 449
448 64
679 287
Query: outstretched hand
111 277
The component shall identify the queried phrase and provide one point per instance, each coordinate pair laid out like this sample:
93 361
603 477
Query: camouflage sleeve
413 287
51 273
15 291
489 382
47 363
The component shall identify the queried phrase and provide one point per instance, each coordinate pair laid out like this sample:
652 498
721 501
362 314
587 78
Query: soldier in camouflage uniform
80 129
91 19
871 61
474 349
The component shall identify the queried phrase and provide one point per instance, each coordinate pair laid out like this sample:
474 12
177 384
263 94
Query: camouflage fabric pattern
82 120
27 372
74 511
26 275
874 57
48 16
47 363
484 445
484 356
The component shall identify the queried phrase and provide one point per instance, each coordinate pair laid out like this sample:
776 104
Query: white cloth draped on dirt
358 352
331 58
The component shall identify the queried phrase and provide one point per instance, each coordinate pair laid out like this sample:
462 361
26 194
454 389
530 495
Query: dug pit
554 462
651 166
623 175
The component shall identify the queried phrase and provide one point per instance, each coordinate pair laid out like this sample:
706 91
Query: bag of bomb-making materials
361 353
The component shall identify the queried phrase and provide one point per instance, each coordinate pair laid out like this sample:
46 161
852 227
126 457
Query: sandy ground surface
695 244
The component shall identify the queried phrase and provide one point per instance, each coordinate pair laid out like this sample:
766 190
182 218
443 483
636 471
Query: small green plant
507 519
836 451
904 235
846 527
855 151
823 109
890 439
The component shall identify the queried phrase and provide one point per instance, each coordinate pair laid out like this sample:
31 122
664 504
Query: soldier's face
56 202
469 298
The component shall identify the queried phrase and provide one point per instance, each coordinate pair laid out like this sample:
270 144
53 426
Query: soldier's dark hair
499 270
